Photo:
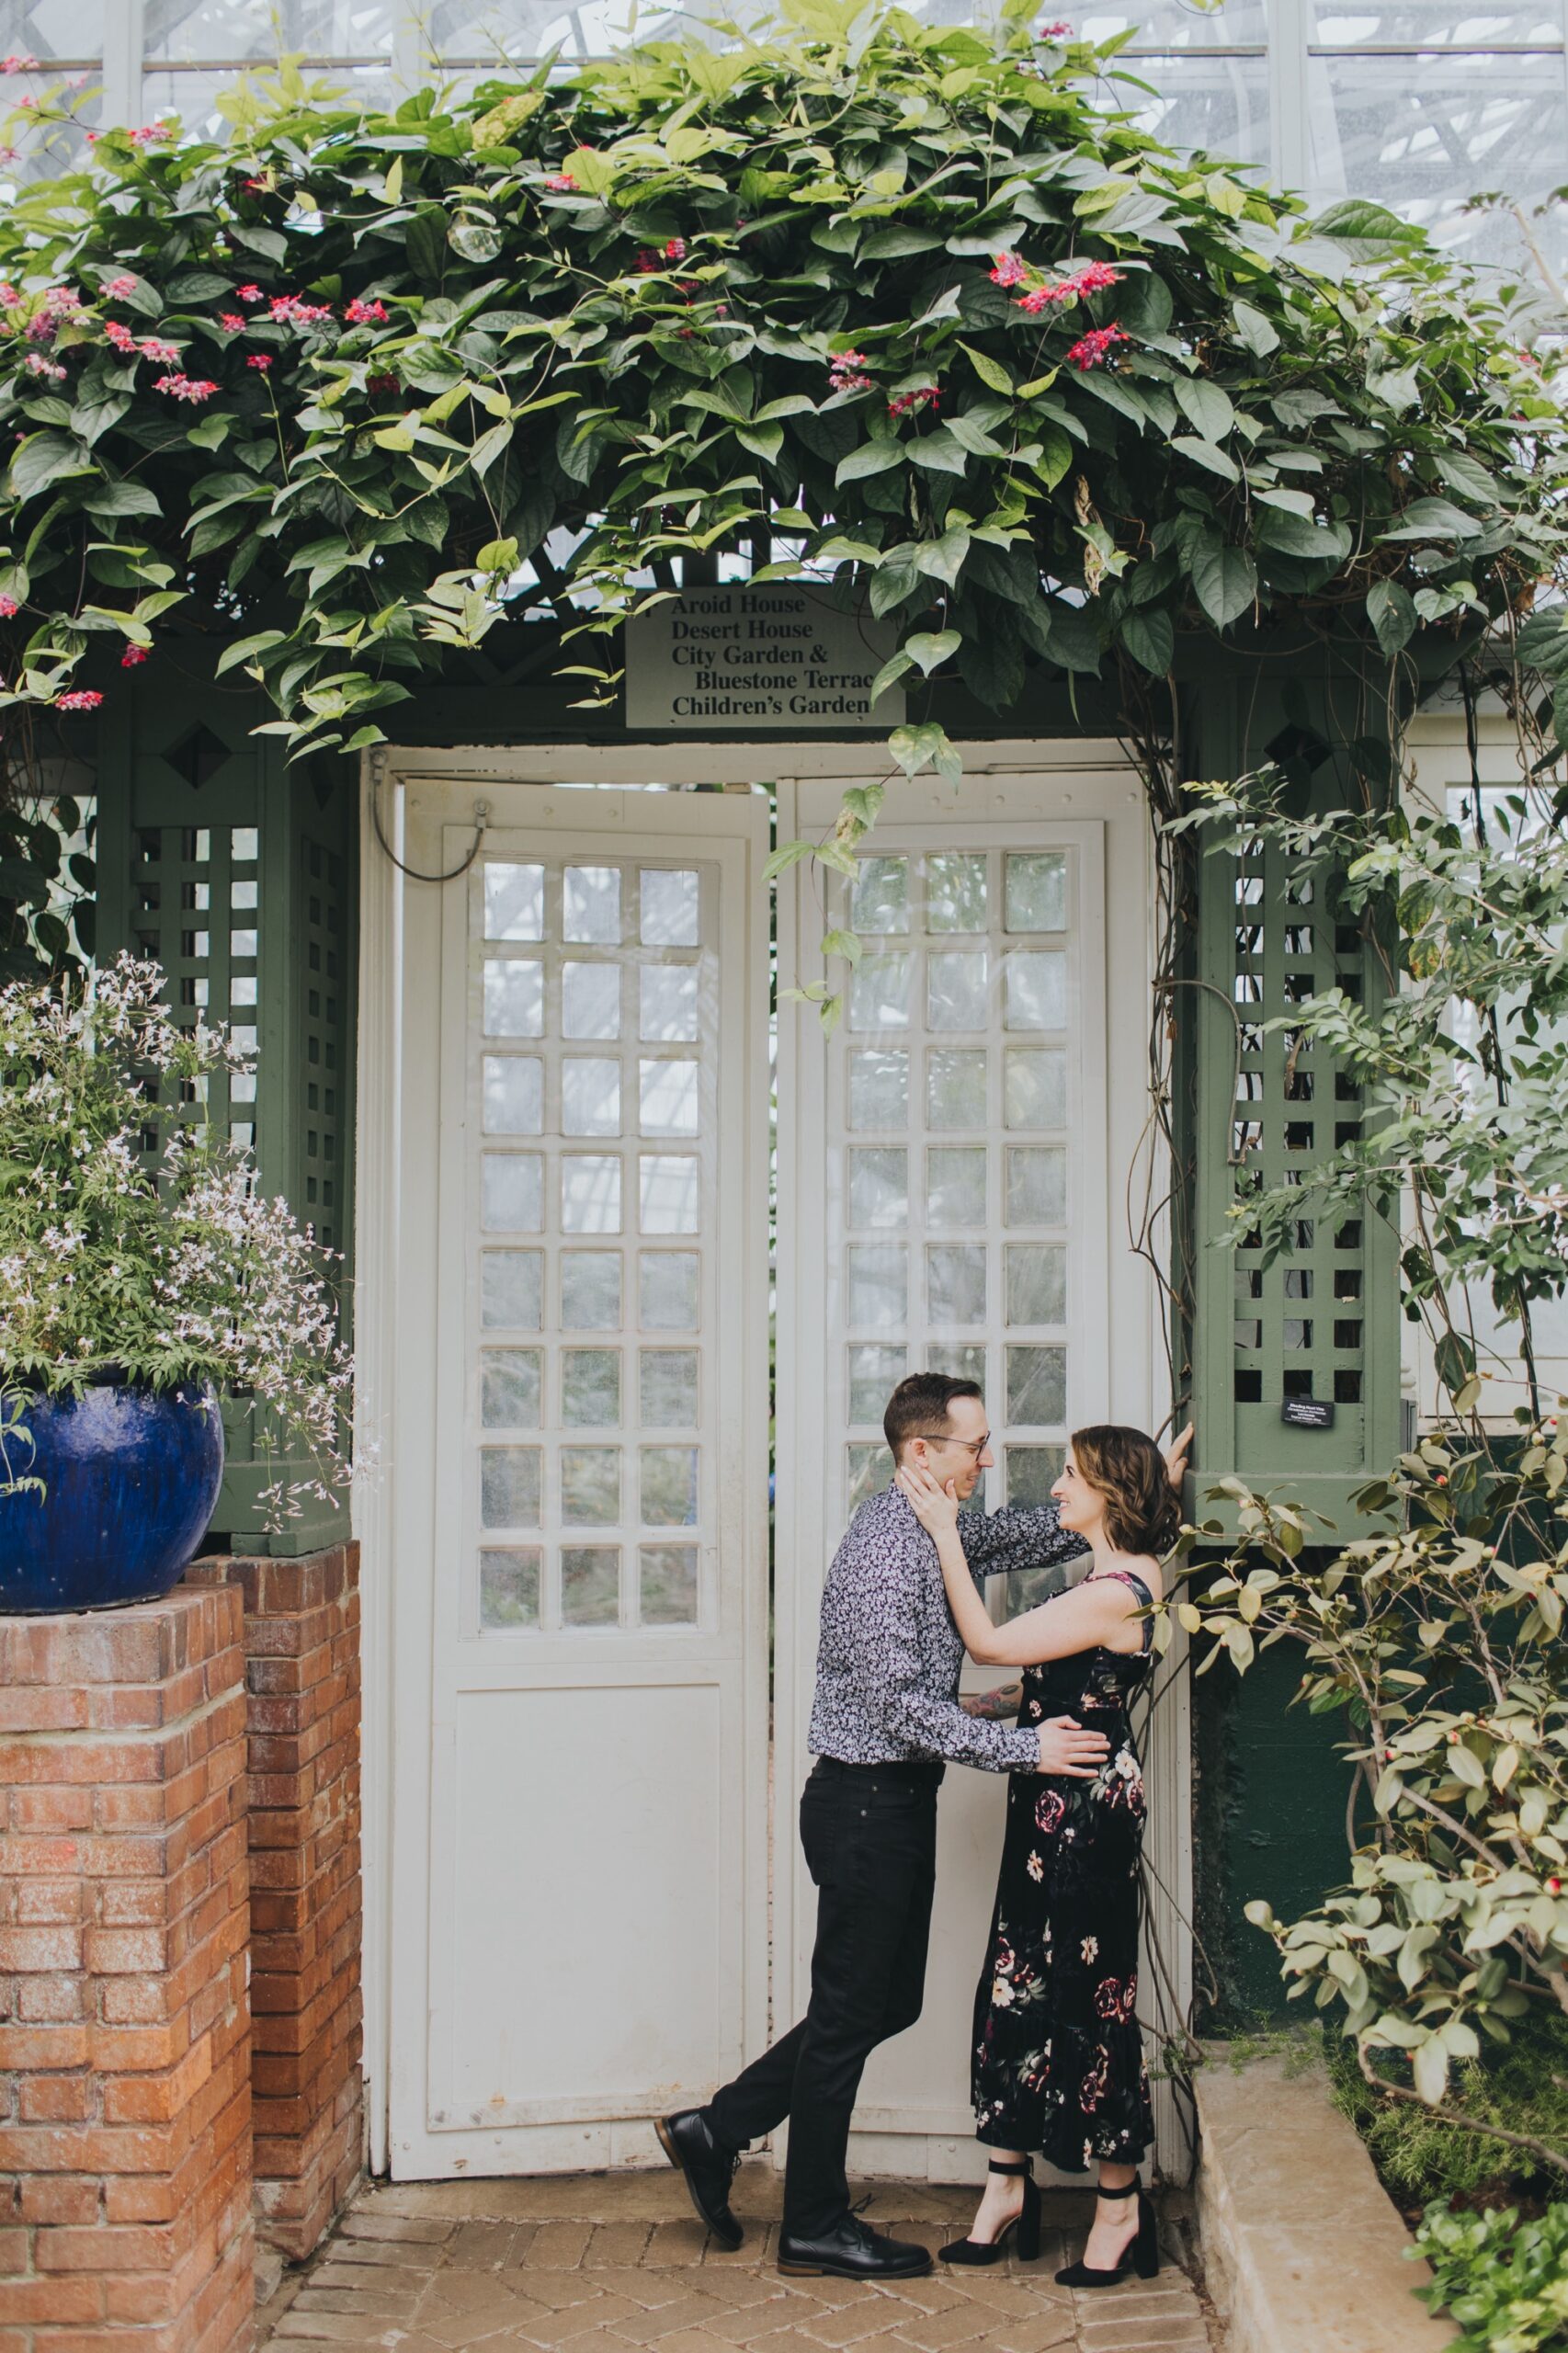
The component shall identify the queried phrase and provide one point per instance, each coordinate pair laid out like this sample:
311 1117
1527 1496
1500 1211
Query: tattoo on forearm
996 1707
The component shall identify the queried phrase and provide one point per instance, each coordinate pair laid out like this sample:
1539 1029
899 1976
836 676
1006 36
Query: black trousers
869 1835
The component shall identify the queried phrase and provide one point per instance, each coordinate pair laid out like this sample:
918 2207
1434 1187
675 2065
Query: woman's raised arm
1058 1628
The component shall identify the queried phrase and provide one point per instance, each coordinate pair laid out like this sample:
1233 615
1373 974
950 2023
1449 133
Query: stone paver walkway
599 2263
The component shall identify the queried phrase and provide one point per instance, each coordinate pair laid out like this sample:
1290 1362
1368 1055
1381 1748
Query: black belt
923 1771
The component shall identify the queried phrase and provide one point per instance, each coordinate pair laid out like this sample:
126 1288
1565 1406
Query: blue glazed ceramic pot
130 1481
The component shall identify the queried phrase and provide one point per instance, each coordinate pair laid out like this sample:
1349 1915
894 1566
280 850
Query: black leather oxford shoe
709 2171
851 2250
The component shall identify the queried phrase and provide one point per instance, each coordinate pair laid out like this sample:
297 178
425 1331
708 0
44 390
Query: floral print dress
1058 2055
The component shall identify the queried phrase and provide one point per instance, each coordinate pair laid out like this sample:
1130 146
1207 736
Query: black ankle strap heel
1024 2227
1142 2254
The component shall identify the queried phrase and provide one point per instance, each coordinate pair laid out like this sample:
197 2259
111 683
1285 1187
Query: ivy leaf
1149 637
1392 613
1225 580
1432 518
938 453
942 559
42 459
946 306
1206 408
1254 330
1543 642
1056 456
891 671
989 372
929 647
891 586
843 943
871 457
1204 453
788 854
122 499
914 748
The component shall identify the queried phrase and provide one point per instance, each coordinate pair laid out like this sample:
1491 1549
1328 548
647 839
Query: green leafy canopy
357 387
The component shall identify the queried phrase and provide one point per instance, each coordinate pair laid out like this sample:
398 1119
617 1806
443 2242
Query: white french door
950 1164
578 1755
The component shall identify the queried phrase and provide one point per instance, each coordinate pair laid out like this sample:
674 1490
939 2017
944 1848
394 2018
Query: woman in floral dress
1058 2062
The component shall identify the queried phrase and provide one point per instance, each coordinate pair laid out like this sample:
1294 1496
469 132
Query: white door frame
1082 778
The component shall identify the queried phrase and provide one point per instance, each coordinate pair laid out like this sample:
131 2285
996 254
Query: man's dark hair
918 1407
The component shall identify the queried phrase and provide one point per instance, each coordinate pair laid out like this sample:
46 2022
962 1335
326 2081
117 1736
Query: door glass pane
510 1382
882 895
955 1283
509 1485
1036 989
514 1095
1037 890
667 1294
591 905
590 1387
590 1193
670 908
590 1585
667 1584
879 1286
955 989
1036 1185
512 1192
955 1187
667 1388
669 1487
879 1187
878 1089
508 1588
590 1000
668 1003
514 900
955 892
961 1359
878 993
590 1097
1032 1471
590 1487
874 1373
871 1469
1034 1087
1037 1386
513 998
670 1192
590 1291
1037 1283
511 1290
955 1088
668 1098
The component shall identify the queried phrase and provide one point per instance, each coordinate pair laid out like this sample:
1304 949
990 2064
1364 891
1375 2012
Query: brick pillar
124 2027
302 1638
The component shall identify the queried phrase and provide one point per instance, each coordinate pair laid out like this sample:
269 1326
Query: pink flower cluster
261 360
10 608
847 372
1058 30
133 656
291 310
81 699
1010 269
1090 349
50 369
559 183
186 388
142 136
18 64
119 290
363 313
923 396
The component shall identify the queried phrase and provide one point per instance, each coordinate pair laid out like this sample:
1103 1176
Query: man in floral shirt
885 1722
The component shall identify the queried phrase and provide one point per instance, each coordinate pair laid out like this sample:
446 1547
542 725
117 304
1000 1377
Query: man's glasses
975 1446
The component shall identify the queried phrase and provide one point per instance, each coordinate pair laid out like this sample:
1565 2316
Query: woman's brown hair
1125 1466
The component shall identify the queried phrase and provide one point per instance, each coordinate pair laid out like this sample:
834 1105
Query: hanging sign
1307 1413
772 660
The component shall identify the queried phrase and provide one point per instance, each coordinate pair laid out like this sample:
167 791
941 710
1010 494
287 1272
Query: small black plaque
1307 1413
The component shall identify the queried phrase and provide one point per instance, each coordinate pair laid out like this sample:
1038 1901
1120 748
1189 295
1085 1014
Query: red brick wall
124 2030
302 1638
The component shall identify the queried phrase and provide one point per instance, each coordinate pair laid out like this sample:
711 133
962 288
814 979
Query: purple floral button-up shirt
888 1657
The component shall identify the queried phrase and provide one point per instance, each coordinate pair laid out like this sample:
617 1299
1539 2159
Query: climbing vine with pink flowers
913 308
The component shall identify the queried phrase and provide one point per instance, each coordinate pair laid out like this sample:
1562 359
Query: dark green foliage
1523 2086
1506 2282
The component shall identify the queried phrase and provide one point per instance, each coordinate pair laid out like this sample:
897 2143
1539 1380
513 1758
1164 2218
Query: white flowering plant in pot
168 1269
